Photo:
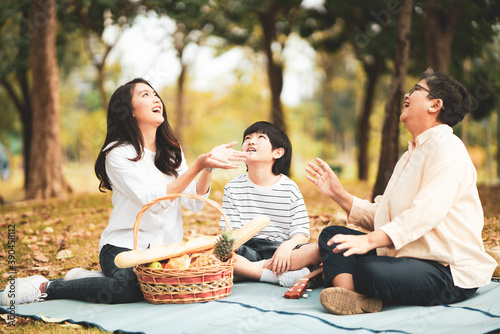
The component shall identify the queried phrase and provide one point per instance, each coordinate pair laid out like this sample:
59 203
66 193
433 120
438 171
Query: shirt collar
427 134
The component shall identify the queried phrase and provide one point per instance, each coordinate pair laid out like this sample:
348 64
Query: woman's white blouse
135 184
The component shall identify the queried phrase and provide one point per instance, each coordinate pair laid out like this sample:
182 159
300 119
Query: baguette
249 230
203 243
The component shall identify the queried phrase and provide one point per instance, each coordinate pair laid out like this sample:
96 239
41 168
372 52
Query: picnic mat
260 308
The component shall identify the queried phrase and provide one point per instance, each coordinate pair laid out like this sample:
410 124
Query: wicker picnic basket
182 286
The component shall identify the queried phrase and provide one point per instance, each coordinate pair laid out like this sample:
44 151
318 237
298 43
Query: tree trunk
21 97
99 62
498 138
100 84
438 33
23 105
179 112
274 69
181 117
45 170
327 62
372 73
100 65
390 134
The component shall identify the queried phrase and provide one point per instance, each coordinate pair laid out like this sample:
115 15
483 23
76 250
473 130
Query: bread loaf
136 257
181 262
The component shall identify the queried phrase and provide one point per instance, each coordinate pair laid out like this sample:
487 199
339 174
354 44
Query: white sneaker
77 273
289 278
24 290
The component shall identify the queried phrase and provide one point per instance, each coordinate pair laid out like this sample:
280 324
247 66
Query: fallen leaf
44 268
52 320
27 214
9 319
29 239
64 254
41 258
70 325
53 221
60 243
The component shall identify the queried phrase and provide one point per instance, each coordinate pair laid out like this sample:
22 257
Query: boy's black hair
278 139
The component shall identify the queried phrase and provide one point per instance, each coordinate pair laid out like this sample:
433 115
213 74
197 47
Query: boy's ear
278 153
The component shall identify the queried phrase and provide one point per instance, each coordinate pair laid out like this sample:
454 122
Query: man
424 246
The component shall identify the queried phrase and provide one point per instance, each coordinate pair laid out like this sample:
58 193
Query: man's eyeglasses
428 91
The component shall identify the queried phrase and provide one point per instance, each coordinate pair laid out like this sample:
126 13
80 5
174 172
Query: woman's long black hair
123 129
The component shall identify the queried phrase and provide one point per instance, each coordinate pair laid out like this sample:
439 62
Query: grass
44 228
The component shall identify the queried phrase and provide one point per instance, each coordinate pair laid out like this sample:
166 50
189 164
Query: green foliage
481 77
14 37
10 125
475 29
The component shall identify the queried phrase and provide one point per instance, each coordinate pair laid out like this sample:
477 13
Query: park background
328 72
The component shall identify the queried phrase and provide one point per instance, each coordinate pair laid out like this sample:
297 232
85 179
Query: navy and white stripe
282 203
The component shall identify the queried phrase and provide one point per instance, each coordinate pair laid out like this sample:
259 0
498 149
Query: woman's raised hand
223 156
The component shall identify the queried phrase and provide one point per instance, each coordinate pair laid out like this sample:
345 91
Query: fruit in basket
224 245
155 265
181 262
137 257
222 252
204 259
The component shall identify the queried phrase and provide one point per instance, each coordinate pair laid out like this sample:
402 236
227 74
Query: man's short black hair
457 102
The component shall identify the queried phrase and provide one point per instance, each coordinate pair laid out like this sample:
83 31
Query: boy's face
260 149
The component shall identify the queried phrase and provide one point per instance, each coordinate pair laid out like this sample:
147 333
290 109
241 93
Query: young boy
279 253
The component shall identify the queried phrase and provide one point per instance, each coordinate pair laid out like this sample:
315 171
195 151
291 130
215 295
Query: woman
141 160
425 245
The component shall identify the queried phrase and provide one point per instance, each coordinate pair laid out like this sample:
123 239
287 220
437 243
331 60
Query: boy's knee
311 252
314 253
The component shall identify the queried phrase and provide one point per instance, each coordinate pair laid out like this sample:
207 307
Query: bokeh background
322 70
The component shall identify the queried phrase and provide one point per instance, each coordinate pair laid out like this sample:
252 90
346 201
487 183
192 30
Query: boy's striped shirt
282 203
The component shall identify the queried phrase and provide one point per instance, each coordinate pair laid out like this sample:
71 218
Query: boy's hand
280 262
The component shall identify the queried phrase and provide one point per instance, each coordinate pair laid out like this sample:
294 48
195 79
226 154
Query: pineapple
204 259
224 245
221 253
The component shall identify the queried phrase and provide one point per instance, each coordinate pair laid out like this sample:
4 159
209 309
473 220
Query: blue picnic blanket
260 308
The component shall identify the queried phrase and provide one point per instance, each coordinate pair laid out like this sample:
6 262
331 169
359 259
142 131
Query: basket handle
173 196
